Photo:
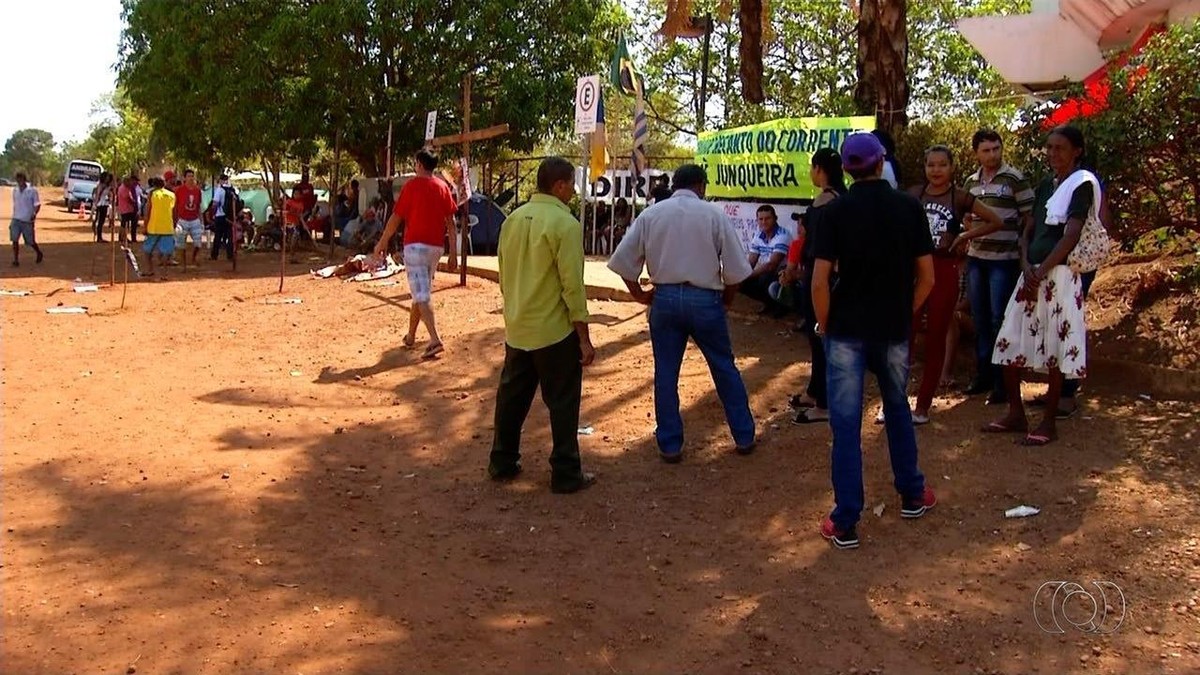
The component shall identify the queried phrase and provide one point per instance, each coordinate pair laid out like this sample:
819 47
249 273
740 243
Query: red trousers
939 311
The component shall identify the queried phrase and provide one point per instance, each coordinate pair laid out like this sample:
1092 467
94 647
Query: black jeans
756 288
1071 387
130 220
817 384
222 237
100 217
556 369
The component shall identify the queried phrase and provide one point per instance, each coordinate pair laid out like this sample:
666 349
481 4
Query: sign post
430 125
587 99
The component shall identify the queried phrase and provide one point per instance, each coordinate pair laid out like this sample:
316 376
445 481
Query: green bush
954 132
1143 144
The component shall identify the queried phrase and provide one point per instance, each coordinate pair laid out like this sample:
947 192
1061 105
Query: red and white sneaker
841 538
915 508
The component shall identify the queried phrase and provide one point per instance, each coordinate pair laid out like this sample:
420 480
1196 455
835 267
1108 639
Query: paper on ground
66 310
1022 511
19 294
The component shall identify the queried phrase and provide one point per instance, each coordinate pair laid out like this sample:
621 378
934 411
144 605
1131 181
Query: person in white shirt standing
695 259
26 205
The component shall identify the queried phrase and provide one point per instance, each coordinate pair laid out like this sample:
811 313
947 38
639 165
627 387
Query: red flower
1058 310
1052 361
1079 300
1020 361
1003 344
1064 330
1073 353
1049 294
1035 328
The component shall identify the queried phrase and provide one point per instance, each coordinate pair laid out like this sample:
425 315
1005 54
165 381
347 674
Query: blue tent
486 218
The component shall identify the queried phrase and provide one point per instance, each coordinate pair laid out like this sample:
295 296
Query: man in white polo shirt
26 205
695 260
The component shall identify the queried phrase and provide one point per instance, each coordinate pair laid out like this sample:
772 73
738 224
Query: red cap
168 175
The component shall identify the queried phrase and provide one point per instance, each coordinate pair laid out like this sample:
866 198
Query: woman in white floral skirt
1044 324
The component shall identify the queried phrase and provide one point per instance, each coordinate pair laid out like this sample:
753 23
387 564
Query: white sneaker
918 420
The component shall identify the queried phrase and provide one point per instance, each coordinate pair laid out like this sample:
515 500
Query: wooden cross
466 138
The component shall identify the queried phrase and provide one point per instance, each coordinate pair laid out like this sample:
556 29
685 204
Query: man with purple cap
878 238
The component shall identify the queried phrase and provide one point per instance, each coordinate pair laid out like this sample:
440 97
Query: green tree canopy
31 151
229 81
809 61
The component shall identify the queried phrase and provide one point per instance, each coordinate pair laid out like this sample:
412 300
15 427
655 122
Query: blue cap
861 151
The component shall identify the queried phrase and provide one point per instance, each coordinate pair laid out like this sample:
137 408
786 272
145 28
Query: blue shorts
163 244
20 228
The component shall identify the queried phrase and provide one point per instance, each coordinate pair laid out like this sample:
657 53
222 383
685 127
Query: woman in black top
826 174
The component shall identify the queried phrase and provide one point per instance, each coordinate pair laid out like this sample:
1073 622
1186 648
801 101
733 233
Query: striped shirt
1010 195
764 246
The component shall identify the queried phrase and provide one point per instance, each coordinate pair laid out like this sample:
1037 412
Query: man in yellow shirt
160 225
545 325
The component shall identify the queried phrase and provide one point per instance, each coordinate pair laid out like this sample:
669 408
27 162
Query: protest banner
744 216
771 160
622 182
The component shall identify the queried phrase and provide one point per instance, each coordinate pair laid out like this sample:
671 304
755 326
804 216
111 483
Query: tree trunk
750 50
882 88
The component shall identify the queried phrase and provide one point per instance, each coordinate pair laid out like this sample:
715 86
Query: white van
79 179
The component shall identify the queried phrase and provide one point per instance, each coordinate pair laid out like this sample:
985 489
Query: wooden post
337 163
466 151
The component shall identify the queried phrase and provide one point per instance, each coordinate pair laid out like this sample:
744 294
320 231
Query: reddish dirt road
206 483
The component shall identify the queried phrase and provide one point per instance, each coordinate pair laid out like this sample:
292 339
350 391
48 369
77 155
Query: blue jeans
990 283
679 312
848 362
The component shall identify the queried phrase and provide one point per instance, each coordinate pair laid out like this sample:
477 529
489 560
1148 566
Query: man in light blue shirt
768 250
695 259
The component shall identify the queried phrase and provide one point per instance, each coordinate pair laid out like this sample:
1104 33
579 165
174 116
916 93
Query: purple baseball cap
861 151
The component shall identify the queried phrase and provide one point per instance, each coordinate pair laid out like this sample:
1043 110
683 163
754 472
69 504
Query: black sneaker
977 387
40 258
841 538
915 508
584 482
501 474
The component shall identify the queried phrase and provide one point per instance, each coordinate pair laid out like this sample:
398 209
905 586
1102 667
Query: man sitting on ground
768 249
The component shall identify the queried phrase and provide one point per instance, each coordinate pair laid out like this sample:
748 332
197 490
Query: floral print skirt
1046 330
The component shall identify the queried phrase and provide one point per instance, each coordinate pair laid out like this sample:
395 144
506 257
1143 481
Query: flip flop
433 350
998 428
1036 440
1061 414
408 342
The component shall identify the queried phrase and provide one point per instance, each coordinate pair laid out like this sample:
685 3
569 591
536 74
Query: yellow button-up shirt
541 273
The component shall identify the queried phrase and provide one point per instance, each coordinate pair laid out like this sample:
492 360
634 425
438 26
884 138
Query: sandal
1001 428
799 402
408 342
433 350
811 416
1036 440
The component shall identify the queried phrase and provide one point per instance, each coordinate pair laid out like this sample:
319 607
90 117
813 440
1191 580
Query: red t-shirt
424 204
187 202
293 209
793 256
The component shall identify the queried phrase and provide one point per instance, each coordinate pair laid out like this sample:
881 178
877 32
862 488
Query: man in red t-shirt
305 193
187 214
427 210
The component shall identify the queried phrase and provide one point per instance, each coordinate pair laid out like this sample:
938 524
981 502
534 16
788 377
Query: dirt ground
206 483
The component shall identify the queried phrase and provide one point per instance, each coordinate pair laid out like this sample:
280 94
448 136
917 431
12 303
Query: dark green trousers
556 369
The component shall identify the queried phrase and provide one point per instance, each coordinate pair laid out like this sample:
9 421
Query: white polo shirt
25 203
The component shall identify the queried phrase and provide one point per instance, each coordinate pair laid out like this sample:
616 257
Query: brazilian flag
625 76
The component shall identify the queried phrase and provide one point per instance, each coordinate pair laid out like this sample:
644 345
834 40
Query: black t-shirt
875 235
